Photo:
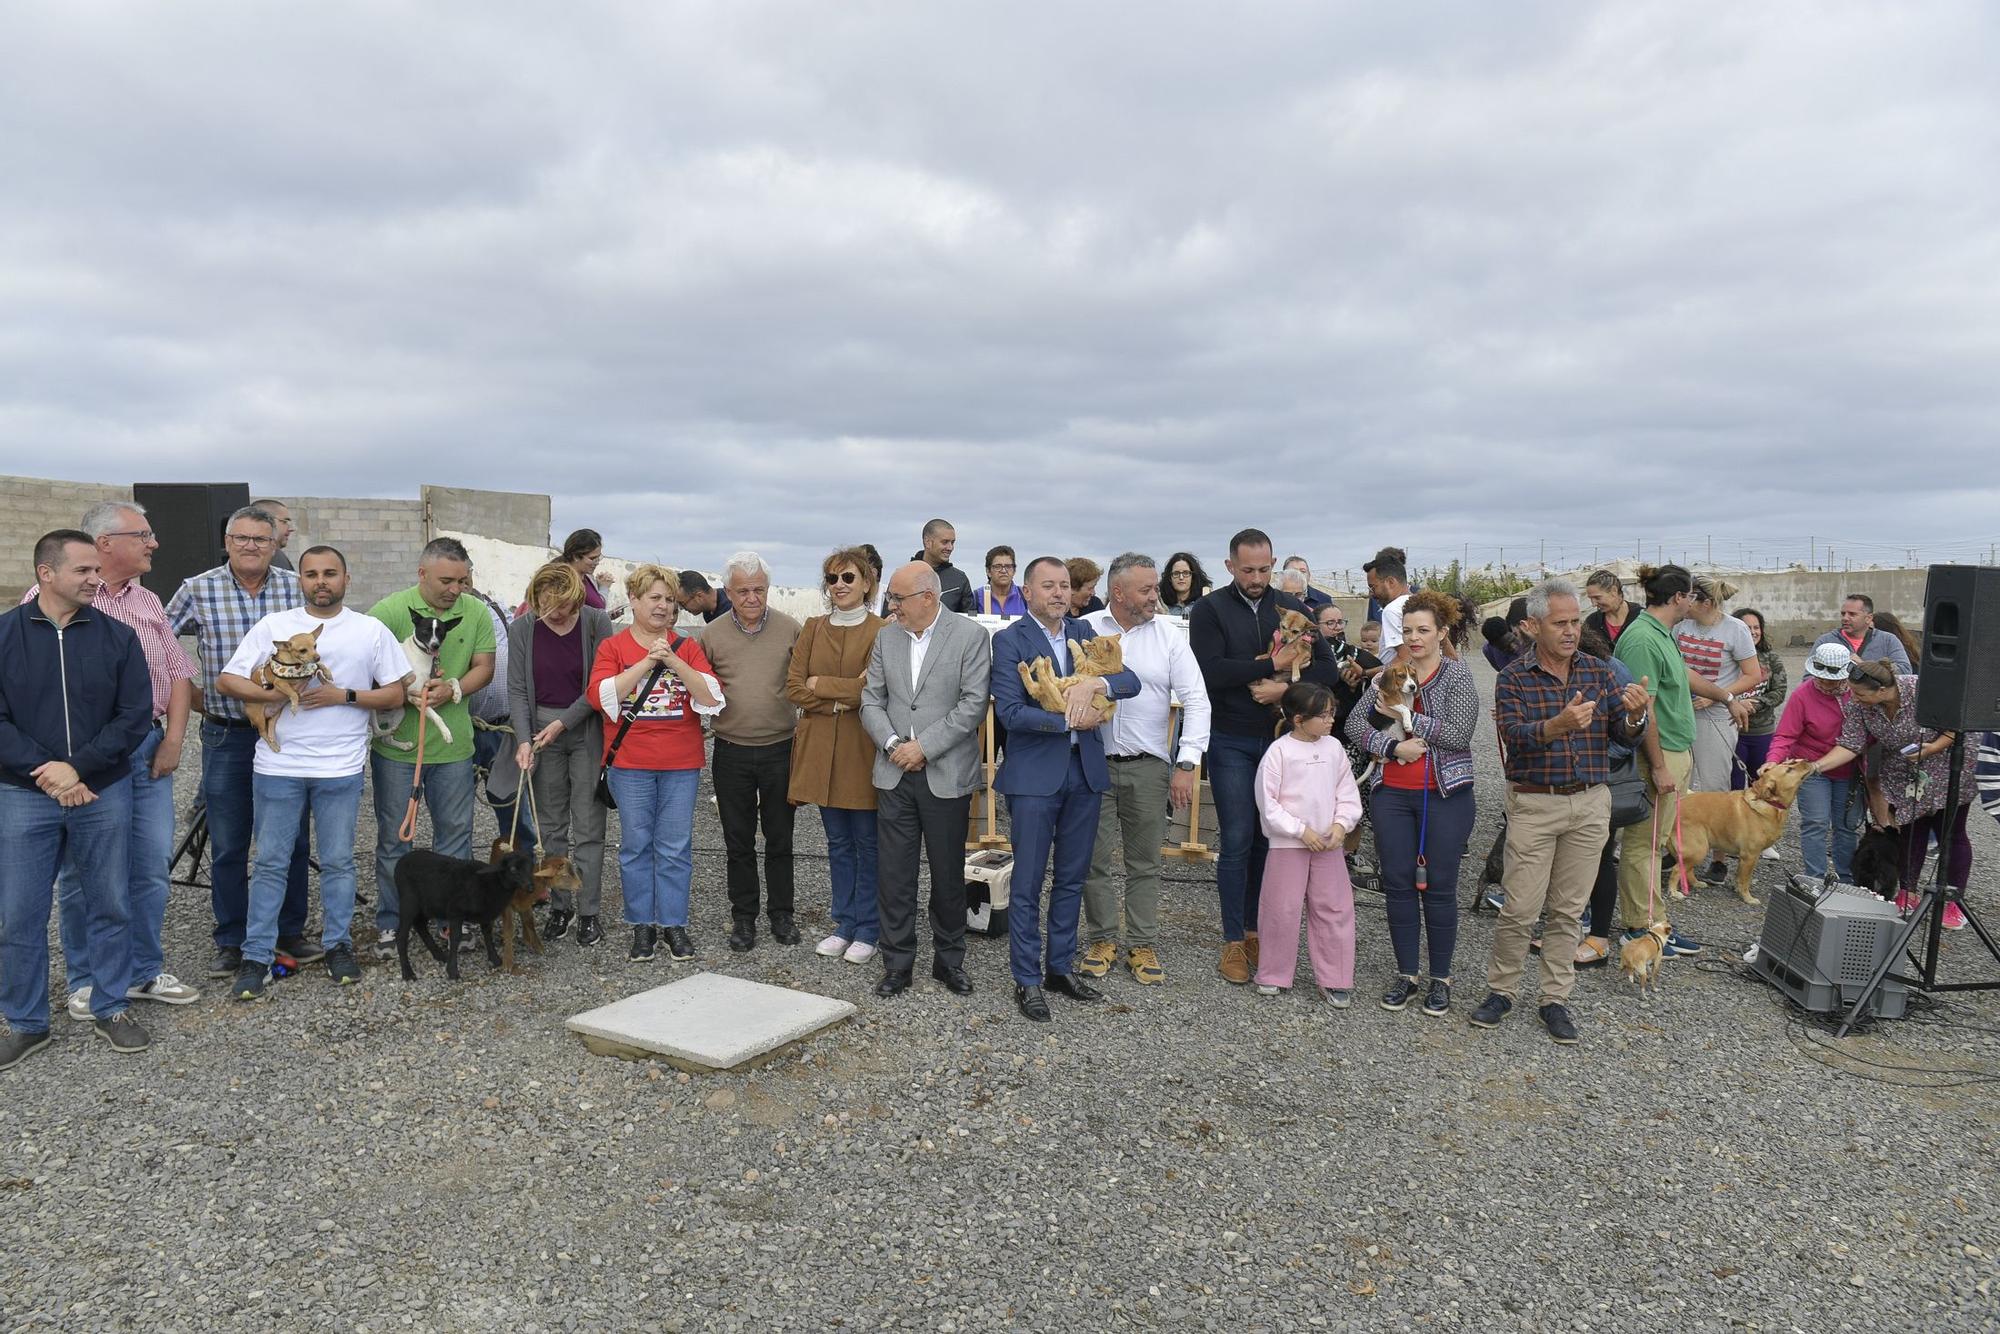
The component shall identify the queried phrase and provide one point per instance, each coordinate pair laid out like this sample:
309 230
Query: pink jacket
1305 785
1809 727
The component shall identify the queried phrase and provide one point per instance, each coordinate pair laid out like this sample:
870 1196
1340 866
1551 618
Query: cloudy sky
1080 277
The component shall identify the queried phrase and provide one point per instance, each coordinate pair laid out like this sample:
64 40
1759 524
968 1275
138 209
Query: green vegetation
1482 586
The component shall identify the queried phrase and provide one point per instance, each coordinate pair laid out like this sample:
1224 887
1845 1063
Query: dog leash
407 831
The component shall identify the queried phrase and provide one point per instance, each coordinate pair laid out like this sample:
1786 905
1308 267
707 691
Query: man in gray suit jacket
922 704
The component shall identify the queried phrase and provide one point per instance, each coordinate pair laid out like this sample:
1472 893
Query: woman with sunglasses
832 757
1909 784
1182 584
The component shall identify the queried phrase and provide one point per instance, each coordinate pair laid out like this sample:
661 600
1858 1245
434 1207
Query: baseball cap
1829 662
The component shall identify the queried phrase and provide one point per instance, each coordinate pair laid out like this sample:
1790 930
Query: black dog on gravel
433 887
1878 861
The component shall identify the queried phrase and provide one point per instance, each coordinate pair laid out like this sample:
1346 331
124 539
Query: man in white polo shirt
1148 773
323 749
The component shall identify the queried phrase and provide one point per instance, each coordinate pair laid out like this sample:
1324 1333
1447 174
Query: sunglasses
841 577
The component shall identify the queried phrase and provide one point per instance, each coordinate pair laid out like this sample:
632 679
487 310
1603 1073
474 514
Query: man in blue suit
1053 777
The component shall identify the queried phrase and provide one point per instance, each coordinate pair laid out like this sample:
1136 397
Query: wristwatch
1185 766
891 744
350 696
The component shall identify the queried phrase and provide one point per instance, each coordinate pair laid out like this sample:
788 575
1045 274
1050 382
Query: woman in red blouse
662 683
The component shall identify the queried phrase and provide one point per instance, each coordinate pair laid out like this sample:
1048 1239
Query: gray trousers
1714 749
570 820
1135 808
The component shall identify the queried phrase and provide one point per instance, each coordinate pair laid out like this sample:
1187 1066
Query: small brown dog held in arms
1292 627
1395 700
1741 824
293 665
552 872
1101 656
1639 958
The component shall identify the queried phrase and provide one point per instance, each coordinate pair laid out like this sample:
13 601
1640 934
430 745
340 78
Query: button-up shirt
1528 694
920 646
213 607
1160 657
136 606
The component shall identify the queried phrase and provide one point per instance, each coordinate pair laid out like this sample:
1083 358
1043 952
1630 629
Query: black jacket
1595 621
79 694
1226 636
954 589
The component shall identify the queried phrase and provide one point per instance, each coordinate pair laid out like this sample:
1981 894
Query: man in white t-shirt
323 751
1389 584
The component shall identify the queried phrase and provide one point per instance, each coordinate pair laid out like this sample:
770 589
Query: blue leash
1424 822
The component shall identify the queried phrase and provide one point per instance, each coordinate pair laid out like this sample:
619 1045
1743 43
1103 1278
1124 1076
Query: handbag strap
625 725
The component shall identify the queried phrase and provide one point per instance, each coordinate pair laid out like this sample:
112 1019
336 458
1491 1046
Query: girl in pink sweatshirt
1307 799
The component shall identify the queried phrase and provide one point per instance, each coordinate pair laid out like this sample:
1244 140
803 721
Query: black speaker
188 518
1958 683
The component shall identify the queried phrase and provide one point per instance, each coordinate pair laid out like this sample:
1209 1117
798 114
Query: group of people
873 711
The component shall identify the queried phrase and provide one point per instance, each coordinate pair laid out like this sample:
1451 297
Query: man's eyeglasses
841 577
1000 569
255 543
143 534
897 599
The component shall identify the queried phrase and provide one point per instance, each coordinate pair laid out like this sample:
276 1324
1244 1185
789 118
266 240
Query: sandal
1590 955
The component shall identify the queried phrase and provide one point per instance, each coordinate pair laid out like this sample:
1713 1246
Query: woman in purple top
559 735
581 551
1909 777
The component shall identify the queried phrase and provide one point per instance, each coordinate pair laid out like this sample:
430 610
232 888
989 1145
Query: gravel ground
443 1156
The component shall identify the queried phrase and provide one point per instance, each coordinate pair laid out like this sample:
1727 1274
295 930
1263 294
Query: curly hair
1443 607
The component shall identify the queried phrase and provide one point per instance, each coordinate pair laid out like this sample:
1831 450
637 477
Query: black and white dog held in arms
427 635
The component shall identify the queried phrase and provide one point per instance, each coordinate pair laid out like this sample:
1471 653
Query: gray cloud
1087 278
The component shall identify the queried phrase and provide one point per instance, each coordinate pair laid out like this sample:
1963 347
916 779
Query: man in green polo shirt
1647 647
464 664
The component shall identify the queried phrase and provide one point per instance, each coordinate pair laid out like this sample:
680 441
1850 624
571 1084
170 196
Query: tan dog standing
1741 824
293 665
1639 957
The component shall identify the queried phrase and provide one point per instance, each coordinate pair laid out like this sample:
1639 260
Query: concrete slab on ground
708 1022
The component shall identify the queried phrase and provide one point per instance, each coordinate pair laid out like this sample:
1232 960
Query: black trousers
750 785
907 816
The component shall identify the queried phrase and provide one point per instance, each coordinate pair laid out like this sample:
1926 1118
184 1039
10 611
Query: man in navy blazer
1053 778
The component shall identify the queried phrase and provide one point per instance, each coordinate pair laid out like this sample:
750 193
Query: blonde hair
856 558
557 583
644 577
1083 571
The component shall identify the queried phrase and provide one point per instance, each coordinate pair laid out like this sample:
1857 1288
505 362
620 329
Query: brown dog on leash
1639 957
1741 824
293 665
551 872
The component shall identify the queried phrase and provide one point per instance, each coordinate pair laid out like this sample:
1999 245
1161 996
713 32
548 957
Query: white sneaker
1266 991
79 1005
831 946
859 952
385 940
1769 854
167 989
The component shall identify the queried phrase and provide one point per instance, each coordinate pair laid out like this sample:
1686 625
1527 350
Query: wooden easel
989 817
1191 849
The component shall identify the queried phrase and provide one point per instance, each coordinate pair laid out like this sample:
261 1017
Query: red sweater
667 733
1809 727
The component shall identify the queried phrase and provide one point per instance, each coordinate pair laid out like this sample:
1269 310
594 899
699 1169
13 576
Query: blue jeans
486 748
36 836
850 855
1825 807
1239 866
656 842
149 849
282 807
1402 821
448 797
226 788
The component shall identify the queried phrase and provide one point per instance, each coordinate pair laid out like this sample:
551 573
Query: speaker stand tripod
193 846
1929 917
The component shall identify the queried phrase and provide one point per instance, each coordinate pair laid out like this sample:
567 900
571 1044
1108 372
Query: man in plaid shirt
219 607
1554 708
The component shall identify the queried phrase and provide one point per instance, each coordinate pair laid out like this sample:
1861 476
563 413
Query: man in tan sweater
750 648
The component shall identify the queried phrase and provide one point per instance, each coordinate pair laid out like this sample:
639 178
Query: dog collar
1767 801
292 672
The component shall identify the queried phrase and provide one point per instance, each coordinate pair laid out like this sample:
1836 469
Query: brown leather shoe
1097 960
1235 964
1255 951
1144 962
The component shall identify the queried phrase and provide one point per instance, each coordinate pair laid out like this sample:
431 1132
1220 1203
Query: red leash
408 831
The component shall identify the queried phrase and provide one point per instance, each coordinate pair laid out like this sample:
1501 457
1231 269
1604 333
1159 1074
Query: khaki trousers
1134 812
1553 846
1639 900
